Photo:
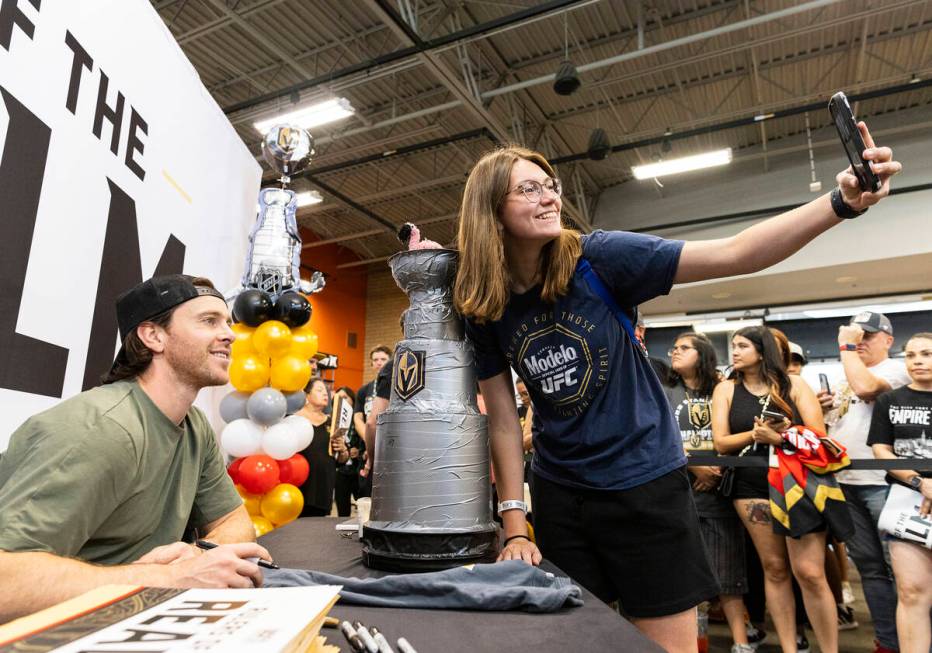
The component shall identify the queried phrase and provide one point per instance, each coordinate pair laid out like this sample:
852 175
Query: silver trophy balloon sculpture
273 259
431 494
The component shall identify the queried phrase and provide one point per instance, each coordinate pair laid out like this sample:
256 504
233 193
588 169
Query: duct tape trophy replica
431 494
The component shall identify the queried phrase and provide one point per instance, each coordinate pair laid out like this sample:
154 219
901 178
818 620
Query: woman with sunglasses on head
612 504
759 382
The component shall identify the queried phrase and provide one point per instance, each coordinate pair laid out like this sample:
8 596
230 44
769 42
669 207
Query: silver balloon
233 406
288 149
295 401
266 406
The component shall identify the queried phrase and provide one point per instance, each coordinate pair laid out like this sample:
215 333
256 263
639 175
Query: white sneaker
847 595
742 648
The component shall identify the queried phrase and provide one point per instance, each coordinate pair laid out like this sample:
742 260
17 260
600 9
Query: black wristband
514 537
841 209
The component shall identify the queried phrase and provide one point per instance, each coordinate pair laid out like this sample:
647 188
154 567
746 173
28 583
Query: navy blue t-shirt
606 423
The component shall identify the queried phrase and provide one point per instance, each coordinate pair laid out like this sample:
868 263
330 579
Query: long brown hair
483 283
772 370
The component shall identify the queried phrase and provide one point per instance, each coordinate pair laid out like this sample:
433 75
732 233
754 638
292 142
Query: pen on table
384 646
404 646
204 544
352 637
366 637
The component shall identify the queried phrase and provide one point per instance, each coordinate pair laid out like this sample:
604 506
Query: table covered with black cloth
313 543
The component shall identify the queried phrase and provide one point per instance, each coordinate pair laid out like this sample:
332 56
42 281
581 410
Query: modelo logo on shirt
409 373
558 362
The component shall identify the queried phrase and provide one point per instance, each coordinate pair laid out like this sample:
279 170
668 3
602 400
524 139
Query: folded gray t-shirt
506 585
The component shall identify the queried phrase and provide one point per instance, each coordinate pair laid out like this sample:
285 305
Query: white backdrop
200 182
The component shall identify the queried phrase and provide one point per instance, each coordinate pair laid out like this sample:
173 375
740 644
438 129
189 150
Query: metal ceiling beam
219 23
751 120
517 18
391 193
263 40
668 45
748 45
375 232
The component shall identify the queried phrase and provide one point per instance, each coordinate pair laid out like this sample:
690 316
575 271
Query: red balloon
233 470
258 474
294 470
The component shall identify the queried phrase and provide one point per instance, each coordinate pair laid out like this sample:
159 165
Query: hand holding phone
867 180
823 383
853 142
772 416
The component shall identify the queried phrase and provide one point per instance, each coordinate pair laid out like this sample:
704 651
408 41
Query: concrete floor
858 640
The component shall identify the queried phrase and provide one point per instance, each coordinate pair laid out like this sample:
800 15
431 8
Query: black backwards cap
157 295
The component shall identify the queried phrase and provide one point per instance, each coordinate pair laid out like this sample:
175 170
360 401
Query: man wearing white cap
864 346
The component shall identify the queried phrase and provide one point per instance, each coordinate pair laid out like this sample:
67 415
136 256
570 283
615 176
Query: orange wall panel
340 308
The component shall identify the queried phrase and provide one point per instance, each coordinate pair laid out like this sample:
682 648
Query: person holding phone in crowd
758 384
694 377
901 427
612 502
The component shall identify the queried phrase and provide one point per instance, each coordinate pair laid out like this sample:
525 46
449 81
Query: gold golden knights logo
409 373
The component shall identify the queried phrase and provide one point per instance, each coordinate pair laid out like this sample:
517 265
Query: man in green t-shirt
114 475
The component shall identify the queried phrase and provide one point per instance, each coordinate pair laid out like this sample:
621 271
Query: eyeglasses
679 348
534 190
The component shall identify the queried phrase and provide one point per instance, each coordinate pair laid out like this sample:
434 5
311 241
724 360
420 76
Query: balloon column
269 369
270 362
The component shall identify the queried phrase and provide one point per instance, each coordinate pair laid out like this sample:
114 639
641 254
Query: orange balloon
242 346
290 373
262 525
282 504
304 342
272 338
249 373
250 500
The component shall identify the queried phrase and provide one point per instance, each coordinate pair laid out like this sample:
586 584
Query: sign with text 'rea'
115 164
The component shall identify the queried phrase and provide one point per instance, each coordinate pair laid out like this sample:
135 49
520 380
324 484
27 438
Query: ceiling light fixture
684 164
725 327
314 115
308 197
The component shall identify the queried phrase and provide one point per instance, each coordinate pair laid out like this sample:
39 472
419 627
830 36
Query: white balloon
280 441
303 429
242 437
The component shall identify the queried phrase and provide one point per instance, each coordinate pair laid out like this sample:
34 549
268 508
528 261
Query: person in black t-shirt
901 427
379 355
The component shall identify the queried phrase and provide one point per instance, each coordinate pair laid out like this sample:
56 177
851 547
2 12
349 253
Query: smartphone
772 415
823 382
854 145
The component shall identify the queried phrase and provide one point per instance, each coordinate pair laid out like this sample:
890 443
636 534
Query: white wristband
512 504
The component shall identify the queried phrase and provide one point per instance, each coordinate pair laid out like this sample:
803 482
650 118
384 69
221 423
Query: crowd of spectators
880 407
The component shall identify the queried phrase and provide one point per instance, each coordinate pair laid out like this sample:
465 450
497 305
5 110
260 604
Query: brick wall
384 304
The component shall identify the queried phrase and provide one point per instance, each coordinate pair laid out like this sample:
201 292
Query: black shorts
639 546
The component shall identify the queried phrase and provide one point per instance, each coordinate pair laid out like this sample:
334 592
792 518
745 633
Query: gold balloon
282 504
272 338
290 373
242 346
304 342
262 525
249 373
250 500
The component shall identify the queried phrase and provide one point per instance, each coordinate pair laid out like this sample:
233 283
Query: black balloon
252 307
293 309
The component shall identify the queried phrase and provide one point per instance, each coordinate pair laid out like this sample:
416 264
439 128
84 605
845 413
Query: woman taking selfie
612 504
760 385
